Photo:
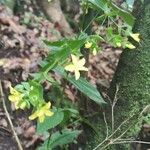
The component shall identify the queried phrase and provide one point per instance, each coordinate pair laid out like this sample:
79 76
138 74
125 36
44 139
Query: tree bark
133 79
54 13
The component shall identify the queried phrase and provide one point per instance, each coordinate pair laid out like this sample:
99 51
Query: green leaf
101 4
82 85
37 76
88 89
126 16
61 71
59 139
73 111
54 46
74 43
50 79
96 38
104 4
58 57
36 93
68 114
65 137
26 85
44 146
23 86
50 122
50 65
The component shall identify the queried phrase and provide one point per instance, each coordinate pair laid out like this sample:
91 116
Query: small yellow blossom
88 45
94 51
15 97
76 66
23 105
118 44
135 36
42 112
130 46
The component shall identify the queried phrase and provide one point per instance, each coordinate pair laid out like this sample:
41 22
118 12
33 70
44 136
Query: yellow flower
23 105
135 36
88 45
42 112
118 44
76 66
130 46
15 97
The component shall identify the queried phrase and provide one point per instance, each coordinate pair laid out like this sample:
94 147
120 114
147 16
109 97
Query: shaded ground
20 50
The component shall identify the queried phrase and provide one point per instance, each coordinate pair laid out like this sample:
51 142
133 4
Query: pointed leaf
59 139
50 122
88 89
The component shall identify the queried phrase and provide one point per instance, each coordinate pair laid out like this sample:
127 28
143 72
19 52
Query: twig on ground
8 117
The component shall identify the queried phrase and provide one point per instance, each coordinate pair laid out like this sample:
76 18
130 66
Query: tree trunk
133 80
54 13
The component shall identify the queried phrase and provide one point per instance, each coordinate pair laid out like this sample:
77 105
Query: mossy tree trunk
133 80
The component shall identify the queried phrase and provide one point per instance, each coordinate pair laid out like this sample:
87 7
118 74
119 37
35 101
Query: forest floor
21 49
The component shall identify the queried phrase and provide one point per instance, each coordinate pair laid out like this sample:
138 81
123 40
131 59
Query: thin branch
106 124
112 108
8 117
95 148
112 141
112 134
129 139
140 142
145 110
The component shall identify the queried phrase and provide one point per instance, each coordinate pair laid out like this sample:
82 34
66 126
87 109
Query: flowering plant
66 59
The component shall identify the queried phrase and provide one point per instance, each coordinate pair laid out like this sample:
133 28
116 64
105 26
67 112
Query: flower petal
83 68
130 46
74 59
118 44
48 113
88 45
77 74
33 116
70 68
14 98
16 106
23 105
81 62
13 91
135 36
41 118
47 105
